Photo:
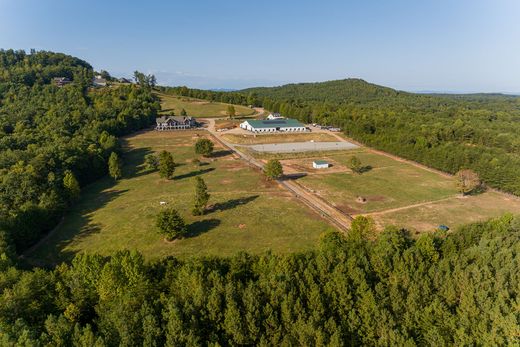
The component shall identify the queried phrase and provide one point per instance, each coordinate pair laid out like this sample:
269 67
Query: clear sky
417 45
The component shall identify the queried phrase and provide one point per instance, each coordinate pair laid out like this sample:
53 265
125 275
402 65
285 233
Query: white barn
274 125
320 164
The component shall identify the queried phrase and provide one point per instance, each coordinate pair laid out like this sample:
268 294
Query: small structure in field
443 227
174 123
361 199
273 125
320 164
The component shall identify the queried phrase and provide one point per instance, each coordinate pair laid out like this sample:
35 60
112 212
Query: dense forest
53 139
446 132
459 289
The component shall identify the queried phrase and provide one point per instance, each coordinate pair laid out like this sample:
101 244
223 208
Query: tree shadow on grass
366 168
193 173
221 153
230 204
133 160
200 227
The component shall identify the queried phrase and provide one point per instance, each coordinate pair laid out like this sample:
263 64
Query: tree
171 224
355 164
201 197
151 161
71 185
183 113
166 165
273 169
467 181
231 111
204 147
114 166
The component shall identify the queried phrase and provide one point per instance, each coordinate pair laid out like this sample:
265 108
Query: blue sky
441 45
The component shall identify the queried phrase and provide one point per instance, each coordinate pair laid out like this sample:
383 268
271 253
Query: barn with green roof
266 126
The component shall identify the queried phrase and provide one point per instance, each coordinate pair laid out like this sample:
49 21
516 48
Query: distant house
174 123
320 164
61 81
124 80
274 116
99 81
274 125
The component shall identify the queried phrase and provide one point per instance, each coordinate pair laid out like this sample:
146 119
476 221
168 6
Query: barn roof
275 123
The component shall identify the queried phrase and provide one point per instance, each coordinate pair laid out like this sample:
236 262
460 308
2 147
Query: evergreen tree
166 165
70 183
151 162
171 224
273 169
201 197
204 147
114 166
183 113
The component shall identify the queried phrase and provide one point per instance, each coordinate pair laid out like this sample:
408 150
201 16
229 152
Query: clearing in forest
199 108
247 213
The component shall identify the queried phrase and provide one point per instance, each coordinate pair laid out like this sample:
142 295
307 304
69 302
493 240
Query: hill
346 90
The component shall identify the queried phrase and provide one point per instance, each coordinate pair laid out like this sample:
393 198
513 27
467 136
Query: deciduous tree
114 166
204 147
166 165
273 169
467 181
171 224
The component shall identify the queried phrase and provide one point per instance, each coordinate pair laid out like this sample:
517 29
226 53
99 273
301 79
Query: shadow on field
194 173
221 153
230 204
366 168
200 227
133 161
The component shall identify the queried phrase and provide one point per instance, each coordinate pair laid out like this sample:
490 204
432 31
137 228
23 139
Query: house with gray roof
274 125
174 123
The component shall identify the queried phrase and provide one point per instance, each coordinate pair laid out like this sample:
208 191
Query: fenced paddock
303 147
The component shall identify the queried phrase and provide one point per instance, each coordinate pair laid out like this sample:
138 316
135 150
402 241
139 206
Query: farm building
262 126
320 164
174 122
274 116
61 81
99 81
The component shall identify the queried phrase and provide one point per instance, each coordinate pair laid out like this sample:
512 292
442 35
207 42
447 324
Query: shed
320 164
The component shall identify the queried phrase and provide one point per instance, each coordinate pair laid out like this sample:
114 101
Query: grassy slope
251 215
199 108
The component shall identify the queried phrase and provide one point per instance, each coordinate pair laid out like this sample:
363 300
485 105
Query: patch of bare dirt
348 209
376 198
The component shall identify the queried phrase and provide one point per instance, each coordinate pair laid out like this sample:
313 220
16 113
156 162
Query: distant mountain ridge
349 90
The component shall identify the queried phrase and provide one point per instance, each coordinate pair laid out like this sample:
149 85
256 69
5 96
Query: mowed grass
243 139
386 184
248 213
199 108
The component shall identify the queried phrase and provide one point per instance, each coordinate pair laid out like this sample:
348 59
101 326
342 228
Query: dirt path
323 208
425 203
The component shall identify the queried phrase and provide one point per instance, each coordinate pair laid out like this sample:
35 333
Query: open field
199 108
248 213
253 139
395 192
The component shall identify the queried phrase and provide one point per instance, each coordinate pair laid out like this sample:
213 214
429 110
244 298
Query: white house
320 164
174 123
274 116
273 125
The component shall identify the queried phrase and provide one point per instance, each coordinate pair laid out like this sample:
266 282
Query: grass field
199 108
248 213
396 193
243 139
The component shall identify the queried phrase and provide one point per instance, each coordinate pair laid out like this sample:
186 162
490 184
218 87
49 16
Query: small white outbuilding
320 164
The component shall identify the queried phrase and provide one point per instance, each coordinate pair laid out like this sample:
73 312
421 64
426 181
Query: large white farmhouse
264 126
